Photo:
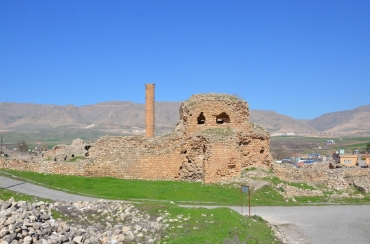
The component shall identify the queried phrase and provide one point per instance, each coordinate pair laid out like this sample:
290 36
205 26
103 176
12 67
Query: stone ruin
213 141
62 152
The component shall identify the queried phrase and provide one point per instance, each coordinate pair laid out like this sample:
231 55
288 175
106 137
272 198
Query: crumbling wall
312 175
337 179
223 162
78 148
193 154
204 111
254 148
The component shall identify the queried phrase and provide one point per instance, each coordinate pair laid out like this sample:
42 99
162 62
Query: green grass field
112 188
182 192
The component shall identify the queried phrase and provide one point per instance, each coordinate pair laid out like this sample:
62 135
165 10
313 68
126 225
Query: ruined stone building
213 140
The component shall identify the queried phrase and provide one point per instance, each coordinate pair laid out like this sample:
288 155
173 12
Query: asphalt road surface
348 224
39 191
320 224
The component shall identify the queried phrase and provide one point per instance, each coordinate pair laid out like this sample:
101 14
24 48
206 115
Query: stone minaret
149 110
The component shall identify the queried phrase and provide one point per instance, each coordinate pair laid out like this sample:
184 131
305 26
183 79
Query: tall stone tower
149 110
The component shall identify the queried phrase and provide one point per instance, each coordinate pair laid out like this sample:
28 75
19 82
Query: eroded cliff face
213 141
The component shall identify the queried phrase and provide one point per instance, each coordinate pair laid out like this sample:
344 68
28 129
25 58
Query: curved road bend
306 224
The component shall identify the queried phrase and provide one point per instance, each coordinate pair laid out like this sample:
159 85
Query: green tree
368 147
22 146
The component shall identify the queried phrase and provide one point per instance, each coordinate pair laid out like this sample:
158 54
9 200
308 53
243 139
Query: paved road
303 225
320 224
39 191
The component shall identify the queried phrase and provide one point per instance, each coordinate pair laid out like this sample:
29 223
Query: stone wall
137 157
224 162
213 141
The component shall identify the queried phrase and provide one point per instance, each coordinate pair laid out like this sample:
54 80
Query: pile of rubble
257 173
288 191
337 182
362 184
98 222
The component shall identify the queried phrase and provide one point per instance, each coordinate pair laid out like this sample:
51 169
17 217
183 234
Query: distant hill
124 117
355 121
107 115
278 123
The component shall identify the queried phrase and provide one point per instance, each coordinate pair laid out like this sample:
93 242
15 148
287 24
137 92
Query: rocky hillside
124 116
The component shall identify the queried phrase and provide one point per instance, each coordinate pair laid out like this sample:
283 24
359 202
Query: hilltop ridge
128 117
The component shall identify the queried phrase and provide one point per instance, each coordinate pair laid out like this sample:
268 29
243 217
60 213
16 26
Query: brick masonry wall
138 157
224 162
211 106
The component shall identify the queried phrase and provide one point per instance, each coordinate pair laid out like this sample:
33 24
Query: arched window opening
201 119
222 118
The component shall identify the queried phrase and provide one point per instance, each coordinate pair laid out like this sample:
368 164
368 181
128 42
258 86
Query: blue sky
298 58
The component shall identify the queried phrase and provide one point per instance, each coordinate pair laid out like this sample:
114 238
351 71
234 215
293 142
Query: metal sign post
245 189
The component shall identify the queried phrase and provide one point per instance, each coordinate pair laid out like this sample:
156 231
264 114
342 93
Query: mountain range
125 117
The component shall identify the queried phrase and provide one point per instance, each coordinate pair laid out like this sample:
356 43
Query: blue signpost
245 189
